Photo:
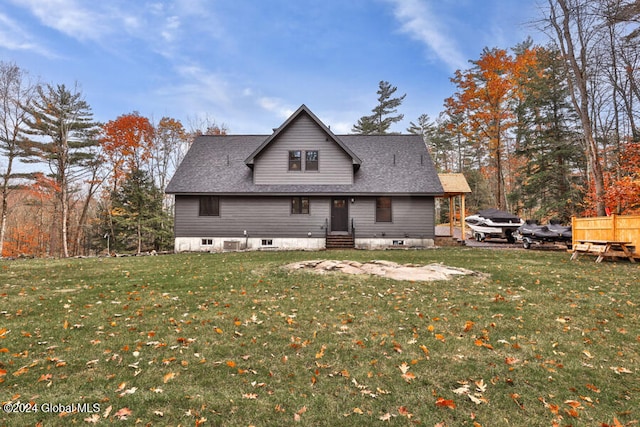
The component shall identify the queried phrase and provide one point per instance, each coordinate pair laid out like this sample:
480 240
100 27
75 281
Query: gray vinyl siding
270 217
272 166
266 217
410 217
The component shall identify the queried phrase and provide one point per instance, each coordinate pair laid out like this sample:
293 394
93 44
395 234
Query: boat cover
497 215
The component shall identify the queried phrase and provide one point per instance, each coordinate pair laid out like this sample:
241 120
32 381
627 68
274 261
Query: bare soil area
388 269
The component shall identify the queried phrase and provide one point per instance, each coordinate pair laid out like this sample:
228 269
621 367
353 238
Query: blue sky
250 63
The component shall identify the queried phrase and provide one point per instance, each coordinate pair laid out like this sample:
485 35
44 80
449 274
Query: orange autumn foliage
127 143
486 97
623 194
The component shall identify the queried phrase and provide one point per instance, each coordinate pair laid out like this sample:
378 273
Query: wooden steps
342 241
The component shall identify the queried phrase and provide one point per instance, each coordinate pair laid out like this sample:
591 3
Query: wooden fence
614 227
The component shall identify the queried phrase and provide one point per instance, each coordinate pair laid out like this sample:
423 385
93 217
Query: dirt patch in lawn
388 269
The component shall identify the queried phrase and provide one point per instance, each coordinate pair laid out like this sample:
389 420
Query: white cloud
201 86
68 17
13 37
418 20
171 28
275 105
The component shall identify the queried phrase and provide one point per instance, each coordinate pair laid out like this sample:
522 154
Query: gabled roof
454 184
382 165
249 161
391 165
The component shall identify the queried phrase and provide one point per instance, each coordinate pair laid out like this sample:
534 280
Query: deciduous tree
574 23
16 93
127 145
486 98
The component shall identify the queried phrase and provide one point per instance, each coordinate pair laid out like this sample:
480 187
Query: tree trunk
579 91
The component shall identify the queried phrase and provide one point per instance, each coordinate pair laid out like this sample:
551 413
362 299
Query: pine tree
549 147
62 123
381 120
138 215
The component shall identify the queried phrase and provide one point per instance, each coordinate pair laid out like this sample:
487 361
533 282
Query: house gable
306 138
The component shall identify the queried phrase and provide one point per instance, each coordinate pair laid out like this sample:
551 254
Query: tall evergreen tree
138 215
381 120
62 125
549 147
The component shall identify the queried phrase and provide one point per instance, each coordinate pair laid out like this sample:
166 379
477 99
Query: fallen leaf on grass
617 369
616 423
297 416
252 396
468 325
402 410
45 377
21 371
93 419
511 360
107 411
123 413
386 417
445 403
593 388
168 377
408 376
132 390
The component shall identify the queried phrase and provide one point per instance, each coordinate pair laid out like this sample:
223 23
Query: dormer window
295 160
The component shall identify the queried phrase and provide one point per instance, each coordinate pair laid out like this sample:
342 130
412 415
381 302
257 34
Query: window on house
383 209
209 206
295 160
311 160
299 205
206 242
267 242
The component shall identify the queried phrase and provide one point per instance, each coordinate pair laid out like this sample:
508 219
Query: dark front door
339 214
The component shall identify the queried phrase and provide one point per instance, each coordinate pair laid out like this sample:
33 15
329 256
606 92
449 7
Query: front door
339 214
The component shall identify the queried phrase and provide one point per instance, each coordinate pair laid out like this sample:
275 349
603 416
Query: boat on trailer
554 232
493 223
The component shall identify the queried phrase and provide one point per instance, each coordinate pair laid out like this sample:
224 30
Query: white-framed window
267 242
206 242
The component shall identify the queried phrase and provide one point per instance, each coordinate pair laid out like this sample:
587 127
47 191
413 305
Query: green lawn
235 340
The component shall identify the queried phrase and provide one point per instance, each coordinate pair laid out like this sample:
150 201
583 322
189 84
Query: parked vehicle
493 223
554 232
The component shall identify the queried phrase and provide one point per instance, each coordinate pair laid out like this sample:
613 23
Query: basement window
267 242
206 242
398 243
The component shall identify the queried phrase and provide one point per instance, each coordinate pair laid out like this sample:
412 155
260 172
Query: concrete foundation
222 244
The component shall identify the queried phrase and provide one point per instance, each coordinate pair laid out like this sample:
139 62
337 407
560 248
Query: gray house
303 187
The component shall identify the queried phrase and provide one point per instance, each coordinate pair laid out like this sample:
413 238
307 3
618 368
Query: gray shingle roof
390 164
